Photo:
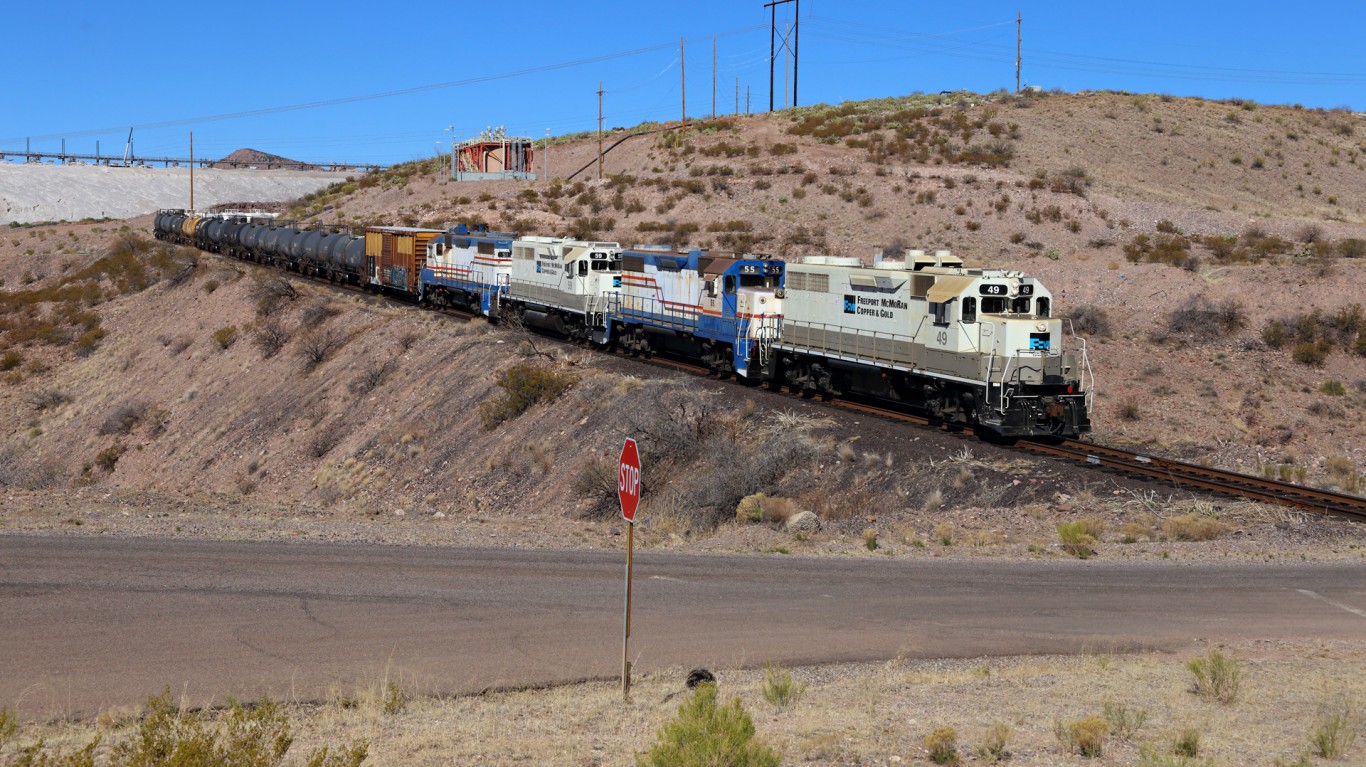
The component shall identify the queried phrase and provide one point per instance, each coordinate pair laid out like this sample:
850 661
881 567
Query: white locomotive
969 346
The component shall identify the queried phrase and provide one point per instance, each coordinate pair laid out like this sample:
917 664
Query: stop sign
628 480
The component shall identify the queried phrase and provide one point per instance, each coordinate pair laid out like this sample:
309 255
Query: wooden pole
683 75
1018 18
600 92
191 170
713 77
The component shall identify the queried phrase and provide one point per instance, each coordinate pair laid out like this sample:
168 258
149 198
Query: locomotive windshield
994 304
759 281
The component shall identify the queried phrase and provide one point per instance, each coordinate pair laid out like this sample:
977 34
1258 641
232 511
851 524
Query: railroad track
1229 483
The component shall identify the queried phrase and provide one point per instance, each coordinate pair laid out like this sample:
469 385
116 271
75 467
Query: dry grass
850 715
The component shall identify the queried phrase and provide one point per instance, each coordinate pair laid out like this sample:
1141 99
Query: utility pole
772 51
737 97
746 99
600 92
1018 18
683 75
191 170
796 42
713 77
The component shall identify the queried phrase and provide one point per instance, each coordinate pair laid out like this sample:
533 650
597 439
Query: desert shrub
1312 353
9 725
124 418
1129 411
942 745
1333 388
271 336
272 294
1335 731
993 746
1216 677
373 375
1187 742
1074 180
1124 721
1087 736
870 538
11 360
523 386
109 457
316 345
324 439
1274 334
225 337
47 399
1205 321
761 508
317 312
779 688
1075 540
1192 526
596 482
706 735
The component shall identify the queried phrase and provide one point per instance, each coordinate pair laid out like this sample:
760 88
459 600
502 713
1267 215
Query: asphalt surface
89 623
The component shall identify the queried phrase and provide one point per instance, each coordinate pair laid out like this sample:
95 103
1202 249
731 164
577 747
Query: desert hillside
1209 251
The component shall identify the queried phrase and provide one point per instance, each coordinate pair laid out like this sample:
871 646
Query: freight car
969 346
977 347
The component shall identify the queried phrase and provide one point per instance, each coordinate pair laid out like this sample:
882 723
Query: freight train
976 347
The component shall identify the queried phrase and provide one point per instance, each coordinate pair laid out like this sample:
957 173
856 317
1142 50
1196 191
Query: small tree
705 735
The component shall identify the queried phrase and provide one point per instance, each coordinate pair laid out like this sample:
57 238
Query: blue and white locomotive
723 310
468 269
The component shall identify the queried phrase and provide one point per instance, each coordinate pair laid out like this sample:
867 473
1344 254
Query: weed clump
993 747
942 745
1193 526
779 688
1124 721
705 734
1335 732
763 508
1216 677
1076 540
1083 736
523 386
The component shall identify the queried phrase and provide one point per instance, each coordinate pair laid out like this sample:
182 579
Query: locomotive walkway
91 623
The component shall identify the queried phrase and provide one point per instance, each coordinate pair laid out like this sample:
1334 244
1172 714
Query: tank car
723 310
968 346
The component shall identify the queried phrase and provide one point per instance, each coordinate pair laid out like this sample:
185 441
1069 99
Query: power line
370 96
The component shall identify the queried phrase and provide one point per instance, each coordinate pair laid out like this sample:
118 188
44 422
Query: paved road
89 622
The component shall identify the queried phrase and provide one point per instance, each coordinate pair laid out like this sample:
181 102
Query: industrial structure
493 155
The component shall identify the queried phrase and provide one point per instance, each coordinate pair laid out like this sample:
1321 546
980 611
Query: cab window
969 310
758 281
583 268
1043 307
940 312
730 284
1020 305
993 305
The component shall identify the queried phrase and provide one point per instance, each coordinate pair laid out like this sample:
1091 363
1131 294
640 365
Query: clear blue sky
88 70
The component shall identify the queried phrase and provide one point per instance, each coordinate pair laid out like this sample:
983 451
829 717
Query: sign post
628 492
